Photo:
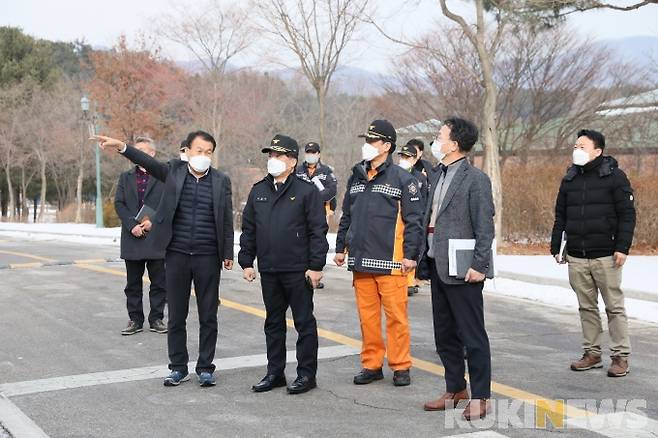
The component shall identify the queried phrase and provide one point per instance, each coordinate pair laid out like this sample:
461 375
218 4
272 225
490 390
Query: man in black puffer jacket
595 210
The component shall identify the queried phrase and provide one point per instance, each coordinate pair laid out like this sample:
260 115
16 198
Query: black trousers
458 312
157 291
204 271
280 291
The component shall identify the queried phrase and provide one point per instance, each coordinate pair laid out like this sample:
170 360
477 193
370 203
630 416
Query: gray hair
145 139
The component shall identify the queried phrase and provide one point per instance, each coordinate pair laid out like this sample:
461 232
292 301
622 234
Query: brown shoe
587 362
447 400
619 367
476 409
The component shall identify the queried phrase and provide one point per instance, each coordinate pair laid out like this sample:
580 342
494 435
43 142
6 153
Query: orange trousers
411 278
390 291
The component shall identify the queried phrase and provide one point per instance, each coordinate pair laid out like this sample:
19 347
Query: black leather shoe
368 376
401 378
269 382
302 384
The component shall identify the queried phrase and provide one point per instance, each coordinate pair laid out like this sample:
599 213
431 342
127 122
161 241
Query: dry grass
529 200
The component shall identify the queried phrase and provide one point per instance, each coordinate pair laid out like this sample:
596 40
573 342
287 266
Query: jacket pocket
300 248
348 237
612 224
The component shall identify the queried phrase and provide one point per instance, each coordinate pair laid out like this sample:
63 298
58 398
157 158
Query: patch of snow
636 274
563 297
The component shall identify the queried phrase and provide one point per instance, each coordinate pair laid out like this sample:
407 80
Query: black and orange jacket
381 221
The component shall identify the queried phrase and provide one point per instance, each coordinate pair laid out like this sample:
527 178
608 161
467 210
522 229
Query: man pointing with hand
195 220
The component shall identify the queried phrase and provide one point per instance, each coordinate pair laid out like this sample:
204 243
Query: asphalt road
65 371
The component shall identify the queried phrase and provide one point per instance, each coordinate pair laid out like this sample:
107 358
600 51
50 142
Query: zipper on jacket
582 214
193 230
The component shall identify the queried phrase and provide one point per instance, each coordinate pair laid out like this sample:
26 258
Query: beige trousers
588 277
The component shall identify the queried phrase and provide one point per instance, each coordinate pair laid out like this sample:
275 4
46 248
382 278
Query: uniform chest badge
413 189
292 198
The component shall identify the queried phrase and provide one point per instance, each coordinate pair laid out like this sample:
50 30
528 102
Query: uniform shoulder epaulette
259 182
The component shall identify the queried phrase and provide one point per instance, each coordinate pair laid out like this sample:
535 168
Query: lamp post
91 121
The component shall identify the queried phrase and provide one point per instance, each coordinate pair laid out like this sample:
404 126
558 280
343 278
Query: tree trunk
78 186
491 155
216 117
25 208
10 190
44 187
489 134
322 101
78 195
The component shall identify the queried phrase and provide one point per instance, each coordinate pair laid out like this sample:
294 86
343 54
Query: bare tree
49 126
317 33
555 9
551 83
484 35
214 35
486 42
11 102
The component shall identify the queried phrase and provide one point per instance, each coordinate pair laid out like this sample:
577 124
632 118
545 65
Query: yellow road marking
555 407
83 262
29 256
25 265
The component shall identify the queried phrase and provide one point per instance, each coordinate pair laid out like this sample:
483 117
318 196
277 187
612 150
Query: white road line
16 422
480 434
153 372
618 425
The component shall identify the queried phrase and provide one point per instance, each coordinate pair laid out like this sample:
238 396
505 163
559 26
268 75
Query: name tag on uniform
261 199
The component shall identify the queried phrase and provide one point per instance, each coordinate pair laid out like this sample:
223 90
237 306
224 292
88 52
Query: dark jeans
281 290
133 290
458 313
204 270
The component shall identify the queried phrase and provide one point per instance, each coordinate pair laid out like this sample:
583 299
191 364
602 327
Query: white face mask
405 164
369 152
200 163
275 167
183 156
437 150
312 158
580 157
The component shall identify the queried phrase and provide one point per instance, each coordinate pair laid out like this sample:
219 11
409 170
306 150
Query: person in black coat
135 189
315 171
421 166
408 159
195 225
595 210
284 228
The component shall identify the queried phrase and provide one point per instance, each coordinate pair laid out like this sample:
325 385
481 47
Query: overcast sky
101 22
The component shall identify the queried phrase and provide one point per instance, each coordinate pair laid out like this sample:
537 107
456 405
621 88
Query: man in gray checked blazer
460 206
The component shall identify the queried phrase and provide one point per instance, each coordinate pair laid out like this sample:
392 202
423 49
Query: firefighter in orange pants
379 237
